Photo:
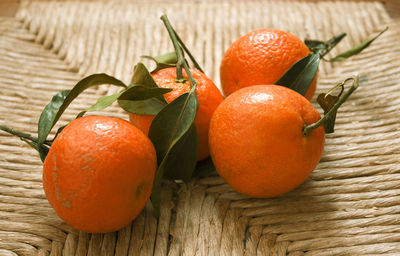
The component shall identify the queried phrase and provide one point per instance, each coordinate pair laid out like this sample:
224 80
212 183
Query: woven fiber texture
349 206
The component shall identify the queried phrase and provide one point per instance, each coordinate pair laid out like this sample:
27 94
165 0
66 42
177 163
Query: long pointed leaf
172 133
142 100
163 61
132 93
142 107
142 76
172 122
140 92
61 101
150 106
179 164
357 49
301 74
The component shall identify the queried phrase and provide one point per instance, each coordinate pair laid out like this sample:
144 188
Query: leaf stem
196 64
179 53
22 135
308 128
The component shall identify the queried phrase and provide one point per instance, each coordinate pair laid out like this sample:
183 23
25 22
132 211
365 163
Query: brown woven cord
349 206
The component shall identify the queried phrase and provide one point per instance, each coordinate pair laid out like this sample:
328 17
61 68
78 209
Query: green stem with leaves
22 135
308 128
196 64
181 59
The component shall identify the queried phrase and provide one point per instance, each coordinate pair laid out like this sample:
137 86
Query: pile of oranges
99 172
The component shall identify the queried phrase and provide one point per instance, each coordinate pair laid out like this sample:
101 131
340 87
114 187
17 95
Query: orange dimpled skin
257 143
99 173
261 57
207 93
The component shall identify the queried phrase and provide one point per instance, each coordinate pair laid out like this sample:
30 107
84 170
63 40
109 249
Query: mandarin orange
207 93
261 57
257 143
99 173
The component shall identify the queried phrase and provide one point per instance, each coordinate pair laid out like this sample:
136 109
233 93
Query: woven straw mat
349 206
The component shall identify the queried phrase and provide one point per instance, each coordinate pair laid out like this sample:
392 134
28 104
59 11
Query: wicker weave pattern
349 206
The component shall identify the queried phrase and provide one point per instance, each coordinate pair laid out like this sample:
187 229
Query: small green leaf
182 157
139 92
152 106
142 76
180 165
142 107
301 74
132 93
181 160
61 101
48 116
315 45
167 60
142 100
104 102
172 122
357 49
172 133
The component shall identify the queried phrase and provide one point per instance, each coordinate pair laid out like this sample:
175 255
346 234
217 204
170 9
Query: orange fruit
99 173
257 143
261 57
207 93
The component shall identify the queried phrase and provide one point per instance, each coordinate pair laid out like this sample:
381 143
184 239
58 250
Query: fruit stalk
179 53
21 135
196 64
308 128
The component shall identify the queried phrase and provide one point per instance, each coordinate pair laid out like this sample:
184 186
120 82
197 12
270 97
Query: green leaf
132 93
357 49
180 165
172 122
324 47
139 92
61 101
142 100
182 157
48 116
301 74
104 102
167 60
142 76
142 107
171 133
152 106
315 45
